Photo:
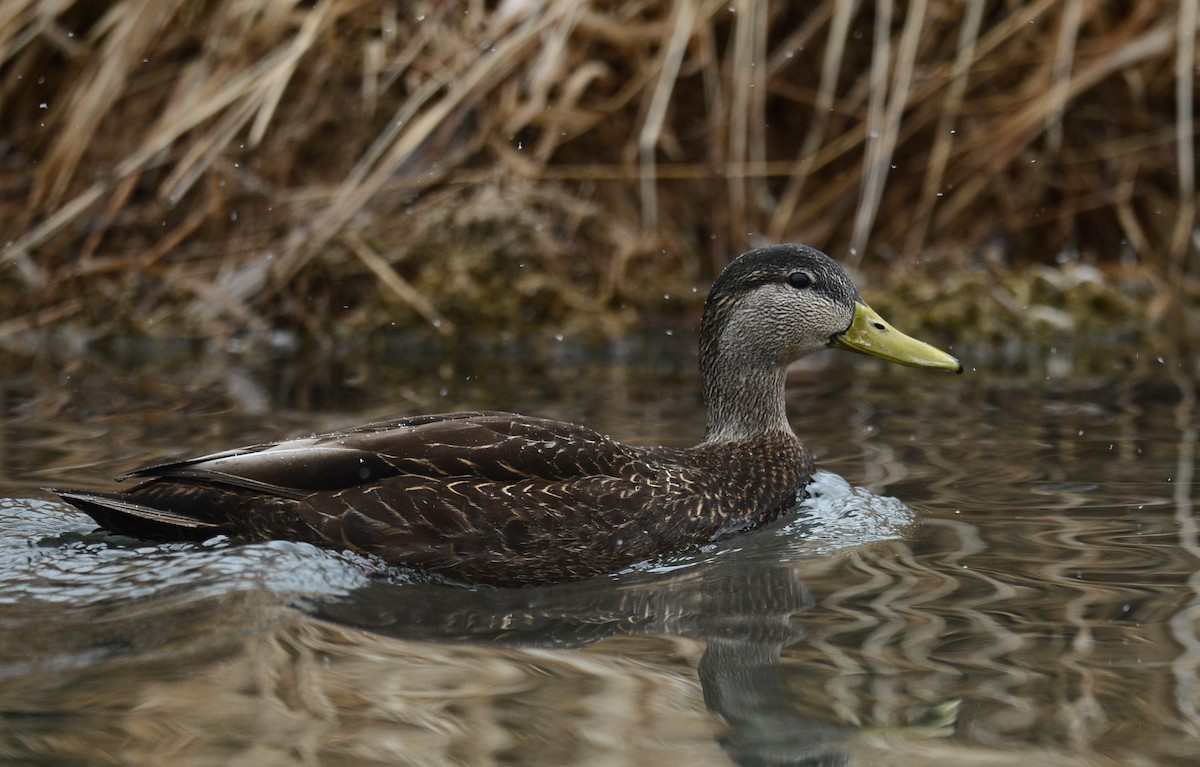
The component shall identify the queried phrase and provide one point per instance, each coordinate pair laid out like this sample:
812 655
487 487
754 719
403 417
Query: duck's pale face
775 324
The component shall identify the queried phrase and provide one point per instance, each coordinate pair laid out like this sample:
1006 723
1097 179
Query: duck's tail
115 512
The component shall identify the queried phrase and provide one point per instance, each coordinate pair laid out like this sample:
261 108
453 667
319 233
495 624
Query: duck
507 500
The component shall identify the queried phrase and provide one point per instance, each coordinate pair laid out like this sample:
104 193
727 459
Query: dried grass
256 164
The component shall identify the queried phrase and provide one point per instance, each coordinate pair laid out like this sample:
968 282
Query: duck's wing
488 446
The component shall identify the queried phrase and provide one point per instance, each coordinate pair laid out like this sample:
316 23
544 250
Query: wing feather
486 445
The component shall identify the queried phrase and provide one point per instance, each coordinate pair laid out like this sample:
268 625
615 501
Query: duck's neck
743 403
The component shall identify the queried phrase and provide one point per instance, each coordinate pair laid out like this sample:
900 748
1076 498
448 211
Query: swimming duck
513 500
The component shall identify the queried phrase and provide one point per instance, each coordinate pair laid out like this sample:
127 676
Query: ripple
52 555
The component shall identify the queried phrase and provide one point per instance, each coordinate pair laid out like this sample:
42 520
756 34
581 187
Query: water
1000 568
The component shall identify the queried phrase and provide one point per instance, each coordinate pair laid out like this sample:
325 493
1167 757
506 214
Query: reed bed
334 167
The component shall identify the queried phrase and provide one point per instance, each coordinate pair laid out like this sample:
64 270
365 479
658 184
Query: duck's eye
799 280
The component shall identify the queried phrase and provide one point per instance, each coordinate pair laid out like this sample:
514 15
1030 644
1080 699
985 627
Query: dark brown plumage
512 500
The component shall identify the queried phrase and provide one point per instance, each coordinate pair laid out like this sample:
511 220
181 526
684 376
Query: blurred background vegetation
995 168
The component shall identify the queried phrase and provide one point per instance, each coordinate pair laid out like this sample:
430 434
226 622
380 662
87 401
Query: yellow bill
871 334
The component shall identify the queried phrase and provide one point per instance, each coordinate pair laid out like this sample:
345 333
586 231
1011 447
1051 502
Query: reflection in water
1044 608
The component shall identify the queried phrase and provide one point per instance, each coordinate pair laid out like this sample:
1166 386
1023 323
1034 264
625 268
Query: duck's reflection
746 619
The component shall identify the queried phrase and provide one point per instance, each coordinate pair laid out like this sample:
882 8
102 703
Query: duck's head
781 302
776 304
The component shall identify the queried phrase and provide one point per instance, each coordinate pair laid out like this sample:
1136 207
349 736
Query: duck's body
444 493
512 500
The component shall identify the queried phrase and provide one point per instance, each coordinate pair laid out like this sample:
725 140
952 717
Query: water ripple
51 555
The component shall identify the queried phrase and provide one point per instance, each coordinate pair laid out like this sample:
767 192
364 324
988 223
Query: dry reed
255 164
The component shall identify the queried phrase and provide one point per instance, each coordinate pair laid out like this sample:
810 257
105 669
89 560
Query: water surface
998 568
